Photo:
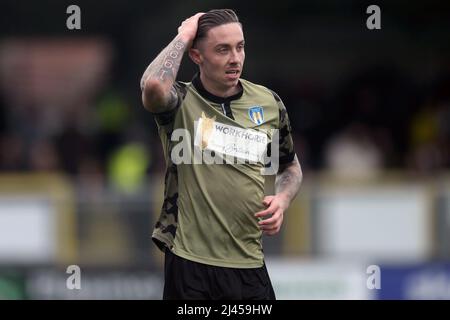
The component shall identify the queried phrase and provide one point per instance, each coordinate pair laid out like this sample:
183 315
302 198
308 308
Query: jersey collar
206 94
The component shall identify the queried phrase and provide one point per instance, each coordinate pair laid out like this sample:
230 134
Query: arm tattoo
288 180
173 98
165 66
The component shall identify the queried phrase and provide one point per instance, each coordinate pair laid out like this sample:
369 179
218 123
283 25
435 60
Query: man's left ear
195 56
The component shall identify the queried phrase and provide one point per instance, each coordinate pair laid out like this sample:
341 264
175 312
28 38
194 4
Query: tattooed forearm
288 181
165 66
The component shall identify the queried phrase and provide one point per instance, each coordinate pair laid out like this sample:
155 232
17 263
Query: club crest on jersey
256 114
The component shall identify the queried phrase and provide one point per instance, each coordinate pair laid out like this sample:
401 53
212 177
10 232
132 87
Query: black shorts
187 280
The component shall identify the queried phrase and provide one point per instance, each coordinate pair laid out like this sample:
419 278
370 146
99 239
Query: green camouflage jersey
209 205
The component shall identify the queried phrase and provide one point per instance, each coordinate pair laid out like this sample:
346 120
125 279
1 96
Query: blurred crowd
59 113
377 120
83 125
70 100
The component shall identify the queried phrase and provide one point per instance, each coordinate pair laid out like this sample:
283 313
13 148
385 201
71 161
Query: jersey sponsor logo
246 144
205 130
256 114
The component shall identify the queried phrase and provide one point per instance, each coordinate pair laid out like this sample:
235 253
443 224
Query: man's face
221 56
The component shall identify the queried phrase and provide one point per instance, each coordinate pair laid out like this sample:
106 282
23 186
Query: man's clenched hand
276 205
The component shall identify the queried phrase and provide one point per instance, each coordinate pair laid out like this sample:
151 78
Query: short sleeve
286 144
165 120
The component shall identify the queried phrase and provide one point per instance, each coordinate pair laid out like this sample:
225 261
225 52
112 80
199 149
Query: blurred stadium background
81 164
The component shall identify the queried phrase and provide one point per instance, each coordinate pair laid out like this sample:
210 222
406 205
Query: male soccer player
214 214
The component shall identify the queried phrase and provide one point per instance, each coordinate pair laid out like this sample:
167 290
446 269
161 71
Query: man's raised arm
158 94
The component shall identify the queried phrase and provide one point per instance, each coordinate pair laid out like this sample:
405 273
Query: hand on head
188 28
